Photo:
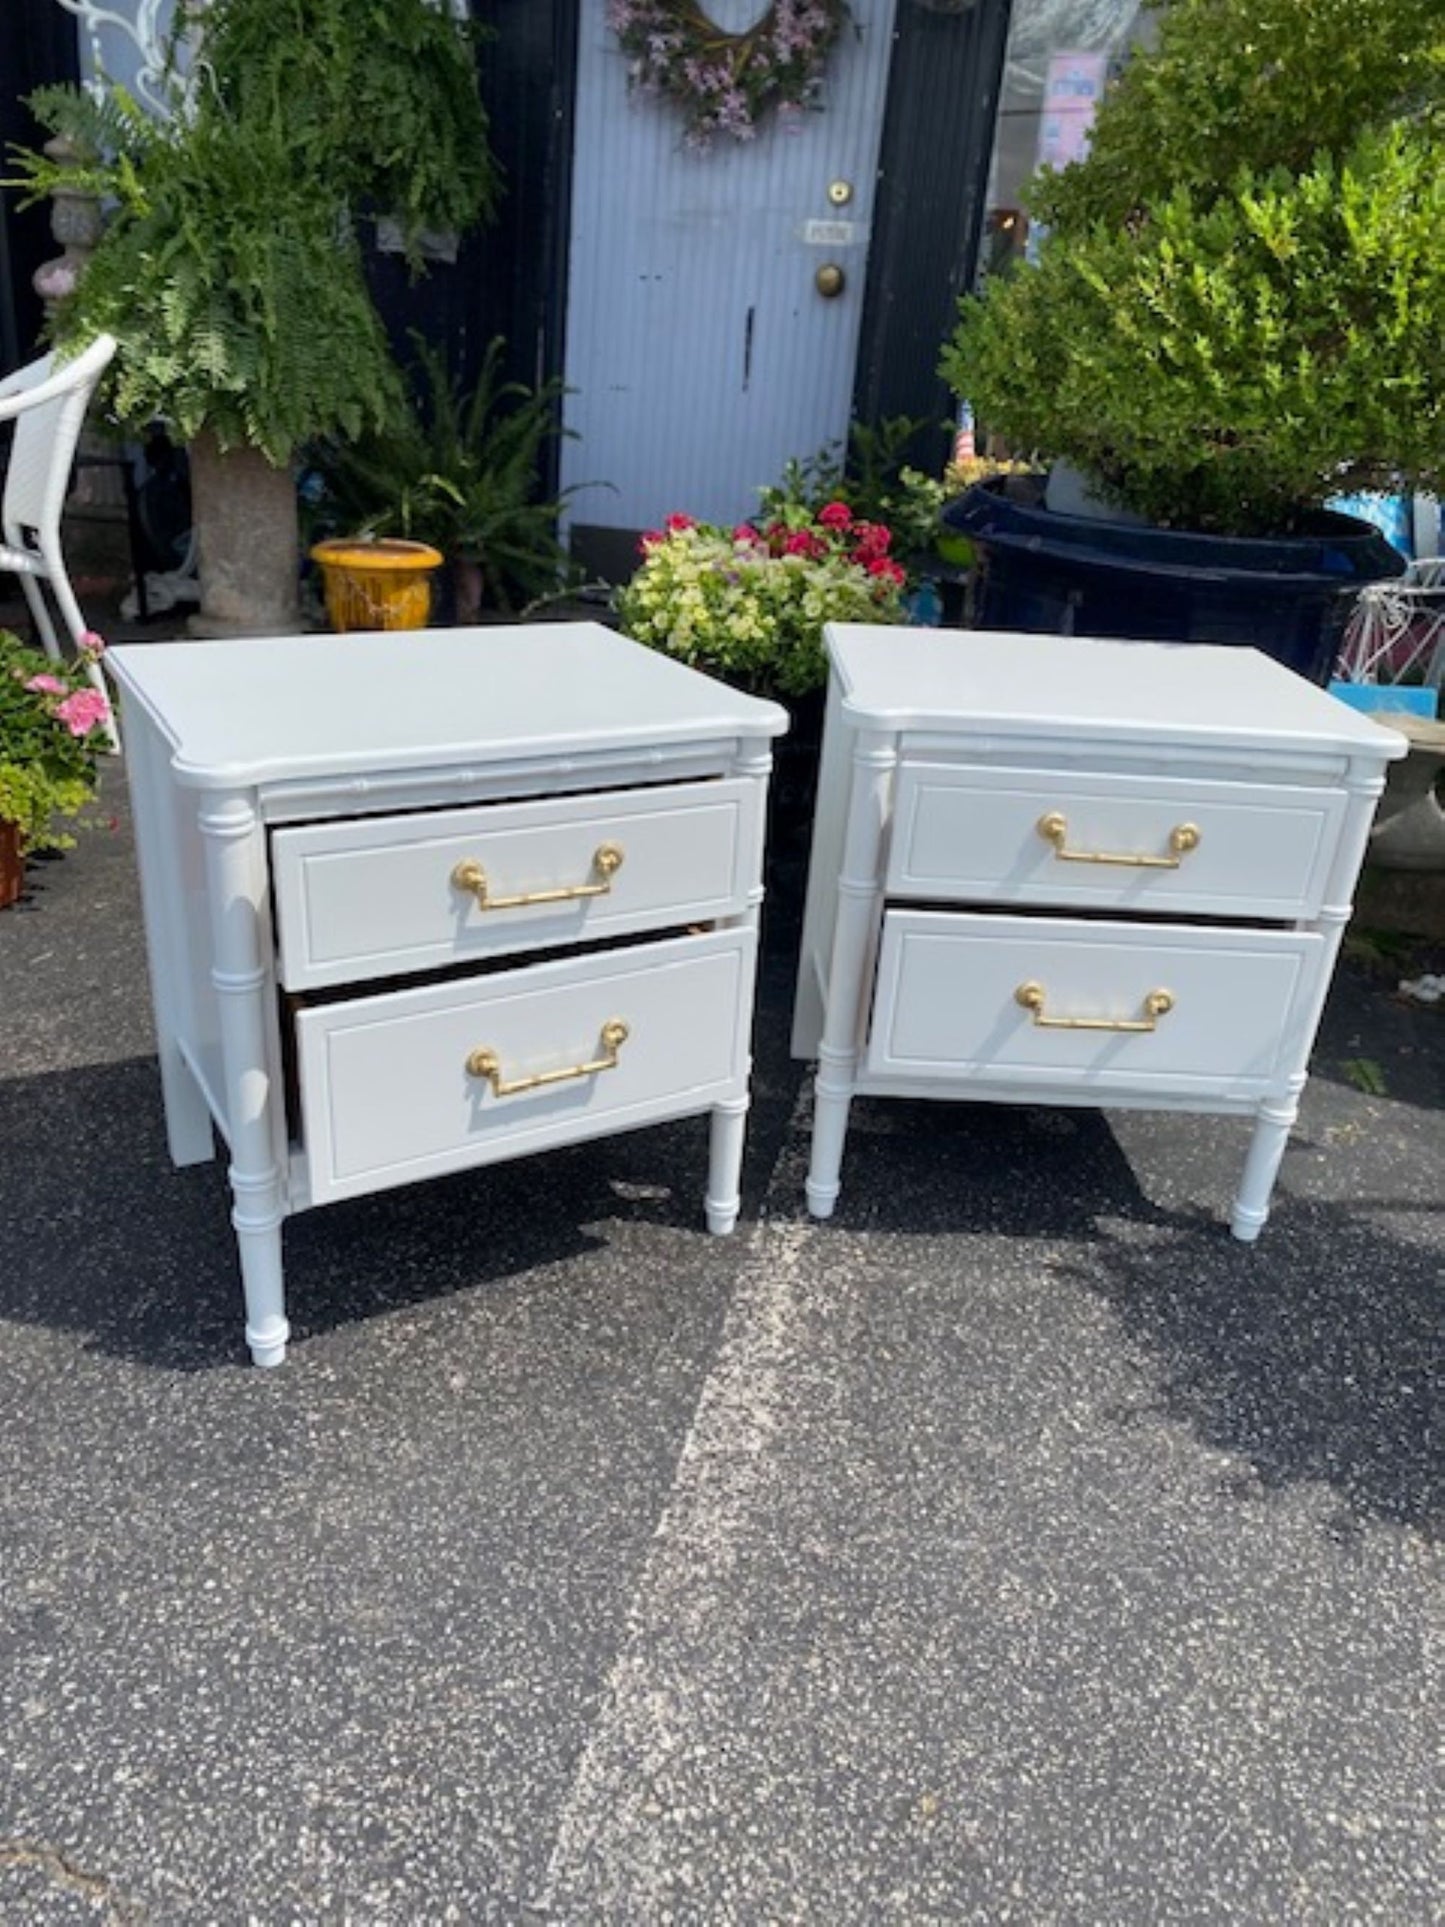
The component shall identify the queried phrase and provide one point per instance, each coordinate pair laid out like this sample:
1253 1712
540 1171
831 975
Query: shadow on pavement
101 1235
1313 1356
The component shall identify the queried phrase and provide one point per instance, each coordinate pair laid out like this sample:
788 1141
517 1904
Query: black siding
510 276
37 45
938 132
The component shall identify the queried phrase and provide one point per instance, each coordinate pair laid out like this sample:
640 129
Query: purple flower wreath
726 83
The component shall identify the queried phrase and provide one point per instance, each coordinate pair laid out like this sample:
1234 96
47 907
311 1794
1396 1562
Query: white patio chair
47 401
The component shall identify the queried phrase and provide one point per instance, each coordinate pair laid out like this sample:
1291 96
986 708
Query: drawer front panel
393 1088
1016 836
1189 1011
379 896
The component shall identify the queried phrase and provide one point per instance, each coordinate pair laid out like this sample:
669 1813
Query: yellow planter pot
384 584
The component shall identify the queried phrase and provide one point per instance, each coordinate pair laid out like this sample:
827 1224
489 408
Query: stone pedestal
1410 827
249 541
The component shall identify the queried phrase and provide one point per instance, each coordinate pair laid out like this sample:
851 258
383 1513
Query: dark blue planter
1288 596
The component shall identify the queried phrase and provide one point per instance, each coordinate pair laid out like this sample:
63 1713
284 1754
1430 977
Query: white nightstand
1055 871
418 902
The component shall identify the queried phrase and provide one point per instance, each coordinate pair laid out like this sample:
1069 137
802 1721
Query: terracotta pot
12 864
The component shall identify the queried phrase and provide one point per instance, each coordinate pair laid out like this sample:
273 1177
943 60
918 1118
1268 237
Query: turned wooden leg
1261 1168
236 873
725 1164
875 756
832 1098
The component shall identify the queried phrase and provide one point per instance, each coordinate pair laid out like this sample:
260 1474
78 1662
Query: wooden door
700 350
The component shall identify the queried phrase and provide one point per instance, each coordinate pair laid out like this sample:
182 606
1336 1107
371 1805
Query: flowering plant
726 82
52 729
749 603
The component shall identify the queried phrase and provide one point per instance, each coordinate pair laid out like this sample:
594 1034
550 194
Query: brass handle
1157 1004
486 1063
606 862
830 280
1054 828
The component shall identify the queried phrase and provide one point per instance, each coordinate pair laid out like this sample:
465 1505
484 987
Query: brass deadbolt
829 280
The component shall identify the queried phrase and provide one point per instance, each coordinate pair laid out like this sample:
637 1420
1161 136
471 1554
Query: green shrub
1239 304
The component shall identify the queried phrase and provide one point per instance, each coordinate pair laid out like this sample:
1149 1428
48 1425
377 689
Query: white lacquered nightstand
420 902
1055 871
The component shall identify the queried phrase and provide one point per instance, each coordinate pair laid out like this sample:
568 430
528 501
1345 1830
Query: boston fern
1239 300
230 268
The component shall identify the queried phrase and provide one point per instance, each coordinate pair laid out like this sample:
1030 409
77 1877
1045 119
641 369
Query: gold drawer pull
486 1063
606 862
1054 828
1157 1004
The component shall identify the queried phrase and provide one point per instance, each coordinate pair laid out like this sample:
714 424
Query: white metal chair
47 400
1397 629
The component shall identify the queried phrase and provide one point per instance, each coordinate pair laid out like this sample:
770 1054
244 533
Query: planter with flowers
748 604
52 733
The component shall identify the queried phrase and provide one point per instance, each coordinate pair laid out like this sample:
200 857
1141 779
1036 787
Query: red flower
675 524
874 538
886 571
648 542
837 515
804 542
745 532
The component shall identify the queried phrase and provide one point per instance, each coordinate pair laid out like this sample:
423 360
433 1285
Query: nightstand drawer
418 1082
1093 1006
379 896
1112 842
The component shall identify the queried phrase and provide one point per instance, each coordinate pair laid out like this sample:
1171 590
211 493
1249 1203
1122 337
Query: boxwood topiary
1238 307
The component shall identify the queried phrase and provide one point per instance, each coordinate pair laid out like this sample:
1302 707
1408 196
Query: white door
701 351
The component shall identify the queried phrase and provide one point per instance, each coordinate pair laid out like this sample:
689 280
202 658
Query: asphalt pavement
1016 1547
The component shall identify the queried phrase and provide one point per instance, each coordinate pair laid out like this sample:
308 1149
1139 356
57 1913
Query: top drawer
380 895
1117 842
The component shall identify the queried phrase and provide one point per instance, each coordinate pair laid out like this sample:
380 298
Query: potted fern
230 268
1235 314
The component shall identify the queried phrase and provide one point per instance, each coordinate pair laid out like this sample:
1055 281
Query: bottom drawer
1141 1008
417 1082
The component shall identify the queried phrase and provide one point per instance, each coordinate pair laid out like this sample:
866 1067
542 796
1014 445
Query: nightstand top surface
281 708
985 682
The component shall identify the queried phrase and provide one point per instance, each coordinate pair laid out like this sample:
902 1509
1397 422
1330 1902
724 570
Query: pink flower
747 534
873 540
86 710
675 524
650 540
886 571
803 542
92 643
46 685
837 515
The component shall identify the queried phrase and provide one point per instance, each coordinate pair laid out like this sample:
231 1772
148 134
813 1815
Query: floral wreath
725 83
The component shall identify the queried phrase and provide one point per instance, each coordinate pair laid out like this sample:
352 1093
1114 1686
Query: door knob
829 280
